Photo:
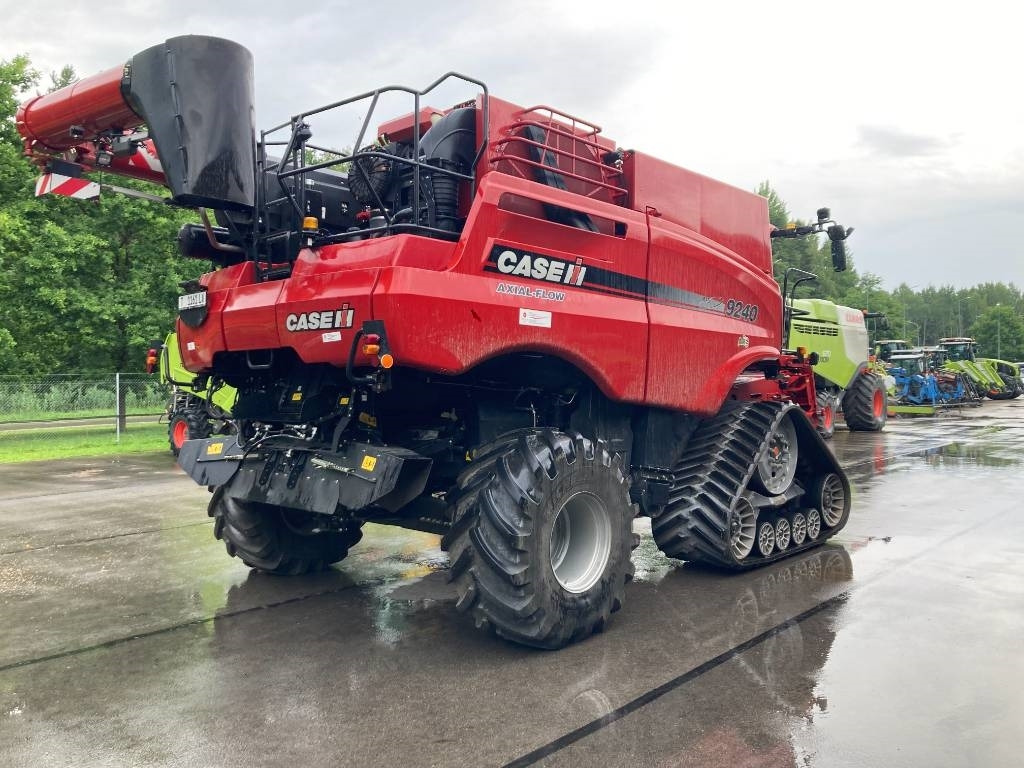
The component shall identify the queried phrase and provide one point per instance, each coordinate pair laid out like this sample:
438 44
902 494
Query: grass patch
38 444
91 413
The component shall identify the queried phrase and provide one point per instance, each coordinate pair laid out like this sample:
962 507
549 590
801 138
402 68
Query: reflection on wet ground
899 448
127 637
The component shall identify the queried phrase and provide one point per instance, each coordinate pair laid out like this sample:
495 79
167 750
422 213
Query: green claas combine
195 410
844 377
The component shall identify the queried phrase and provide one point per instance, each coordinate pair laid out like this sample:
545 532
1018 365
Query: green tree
65 77
7 351
84 286
16 77
1000 333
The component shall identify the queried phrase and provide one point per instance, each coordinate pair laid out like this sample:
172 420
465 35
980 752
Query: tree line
86 286
992 313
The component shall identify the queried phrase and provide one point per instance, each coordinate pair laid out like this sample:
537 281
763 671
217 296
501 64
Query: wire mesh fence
36 409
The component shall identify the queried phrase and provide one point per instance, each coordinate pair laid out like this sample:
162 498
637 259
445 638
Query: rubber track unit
259 536
499 543
714 473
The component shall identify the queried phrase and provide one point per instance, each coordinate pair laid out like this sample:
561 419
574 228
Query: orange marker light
371 349
386 360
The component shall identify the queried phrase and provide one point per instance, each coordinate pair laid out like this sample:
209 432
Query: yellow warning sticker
369 462
296 396
214 449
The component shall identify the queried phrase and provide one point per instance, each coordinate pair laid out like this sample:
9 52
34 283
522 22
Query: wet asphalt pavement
129 638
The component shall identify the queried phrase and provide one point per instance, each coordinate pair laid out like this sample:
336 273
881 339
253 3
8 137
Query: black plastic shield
197 98
363 476
212 461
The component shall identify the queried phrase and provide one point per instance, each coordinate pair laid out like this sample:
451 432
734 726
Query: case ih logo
320 321
532 265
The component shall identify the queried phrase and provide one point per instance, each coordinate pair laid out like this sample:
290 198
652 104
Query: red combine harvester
486 322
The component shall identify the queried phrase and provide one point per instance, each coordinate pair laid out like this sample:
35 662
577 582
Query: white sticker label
535 317
332 336
191 346
192 300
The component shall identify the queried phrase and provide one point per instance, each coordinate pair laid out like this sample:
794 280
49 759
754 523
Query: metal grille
816 330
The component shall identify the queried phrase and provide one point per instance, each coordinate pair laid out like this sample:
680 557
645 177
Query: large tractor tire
864 405
540 548
826 414
186 425
277 540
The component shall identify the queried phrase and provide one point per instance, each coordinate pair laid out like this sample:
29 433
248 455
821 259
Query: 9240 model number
737 308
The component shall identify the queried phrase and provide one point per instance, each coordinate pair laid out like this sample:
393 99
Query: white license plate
192 300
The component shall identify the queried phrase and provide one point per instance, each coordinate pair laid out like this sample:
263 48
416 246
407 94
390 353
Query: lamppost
999 355
870 281
960 314
903 302
916 333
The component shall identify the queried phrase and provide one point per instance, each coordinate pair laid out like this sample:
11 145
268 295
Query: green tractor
846 379
884 348
194 411
997 379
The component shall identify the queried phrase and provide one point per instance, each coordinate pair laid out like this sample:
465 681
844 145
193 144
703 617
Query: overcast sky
906 118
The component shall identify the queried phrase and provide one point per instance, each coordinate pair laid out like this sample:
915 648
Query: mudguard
362 476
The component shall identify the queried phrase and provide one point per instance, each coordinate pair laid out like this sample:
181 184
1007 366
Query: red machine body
431 329
673 303
677 296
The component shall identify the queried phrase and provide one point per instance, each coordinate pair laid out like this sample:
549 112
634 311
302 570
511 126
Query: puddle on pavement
971 454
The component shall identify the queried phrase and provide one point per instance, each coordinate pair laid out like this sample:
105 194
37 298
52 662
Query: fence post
122 417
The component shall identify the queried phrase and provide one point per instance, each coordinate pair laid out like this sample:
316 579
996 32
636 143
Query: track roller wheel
798 528
828 495
742 528
540 547
813 524
277 540
766 539
783 534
